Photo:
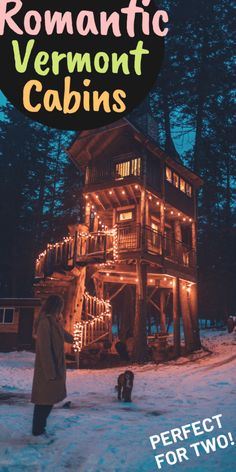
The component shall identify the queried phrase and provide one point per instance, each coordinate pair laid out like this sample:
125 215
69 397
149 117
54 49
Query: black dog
125 384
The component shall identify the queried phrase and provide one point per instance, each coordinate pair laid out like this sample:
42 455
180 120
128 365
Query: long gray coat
49 382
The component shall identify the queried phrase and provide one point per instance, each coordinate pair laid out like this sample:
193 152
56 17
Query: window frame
133 167
187 192
168 169
3 322
187 189
181 180
176 184
119 212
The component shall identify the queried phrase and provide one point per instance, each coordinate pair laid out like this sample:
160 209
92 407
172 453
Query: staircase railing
73 249
96 325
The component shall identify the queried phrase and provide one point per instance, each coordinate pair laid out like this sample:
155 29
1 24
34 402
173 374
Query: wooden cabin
16 323
135 249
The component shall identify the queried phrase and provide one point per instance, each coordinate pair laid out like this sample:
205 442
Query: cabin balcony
117 244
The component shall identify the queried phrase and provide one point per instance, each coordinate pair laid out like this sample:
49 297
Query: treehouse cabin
135 251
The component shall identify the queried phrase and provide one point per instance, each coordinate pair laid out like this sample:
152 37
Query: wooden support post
176 316
140 334
95 224
162 219
162 227
192 297
99 288
147 215
162 310
143 218
87 216
178 237
75 248
194 236
194 242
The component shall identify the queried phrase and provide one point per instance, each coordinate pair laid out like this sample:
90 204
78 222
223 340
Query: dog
125 385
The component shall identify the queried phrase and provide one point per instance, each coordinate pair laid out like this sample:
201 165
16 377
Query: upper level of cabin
139 203
119 155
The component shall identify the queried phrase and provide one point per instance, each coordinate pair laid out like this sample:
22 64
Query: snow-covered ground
99 434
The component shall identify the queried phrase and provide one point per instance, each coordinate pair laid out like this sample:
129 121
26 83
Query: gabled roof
90 144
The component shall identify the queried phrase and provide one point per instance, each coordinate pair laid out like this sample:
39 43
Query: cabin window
124 169
182 185
155 240
154 226
169 175
125 215
189 190
179 182
175 180
136 166
6 315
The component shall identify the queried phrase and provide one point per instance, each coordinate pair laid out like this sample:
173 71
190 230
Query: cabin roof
19 302
89 145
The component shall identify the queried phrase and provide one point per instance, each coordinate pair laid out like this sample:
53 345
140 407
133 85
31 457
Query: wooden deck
130 241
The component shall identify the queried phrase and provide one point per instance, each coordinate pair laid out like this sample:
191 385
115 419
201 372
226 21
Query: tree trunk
176 317
140 333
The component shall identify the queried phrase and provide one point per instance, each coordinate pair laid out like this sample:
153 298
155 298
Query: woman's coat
49 382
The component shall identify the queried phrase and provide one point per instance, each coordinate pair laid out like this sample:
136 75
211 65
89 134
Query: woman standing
49 382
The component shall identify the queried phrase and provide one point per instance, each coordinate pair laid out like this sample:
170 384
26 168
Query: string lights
86 331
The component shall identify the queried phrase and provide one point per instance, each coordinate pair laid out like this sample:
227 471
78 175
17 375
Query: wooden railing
171 249
96 325
80 248
92 248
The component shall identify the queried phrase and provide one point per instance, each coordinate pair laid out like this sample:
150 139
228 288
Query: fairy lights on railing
87 331
83 235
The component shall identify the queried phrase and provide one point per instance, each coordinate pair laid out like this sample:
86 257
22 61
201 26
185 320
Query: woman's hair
52 306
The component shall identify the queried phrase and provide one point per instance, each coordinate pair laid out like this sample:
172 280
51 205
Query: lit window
122 170
154 226
175 180
189 190
186 259
126 215
168 174
182 185
136 166
6 315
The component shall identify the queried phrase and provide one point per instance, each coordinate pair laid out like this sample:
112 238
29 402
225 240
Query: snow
99 434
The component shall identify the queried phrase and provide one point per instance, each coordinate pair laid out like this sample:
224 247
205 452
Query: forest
192 106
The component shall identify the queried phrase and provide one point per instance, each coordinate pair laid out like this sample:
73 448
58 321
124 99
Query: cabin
133 257
16 323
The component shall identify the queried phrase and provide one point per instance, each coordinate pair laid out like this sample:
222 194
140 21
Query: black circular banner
79 64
